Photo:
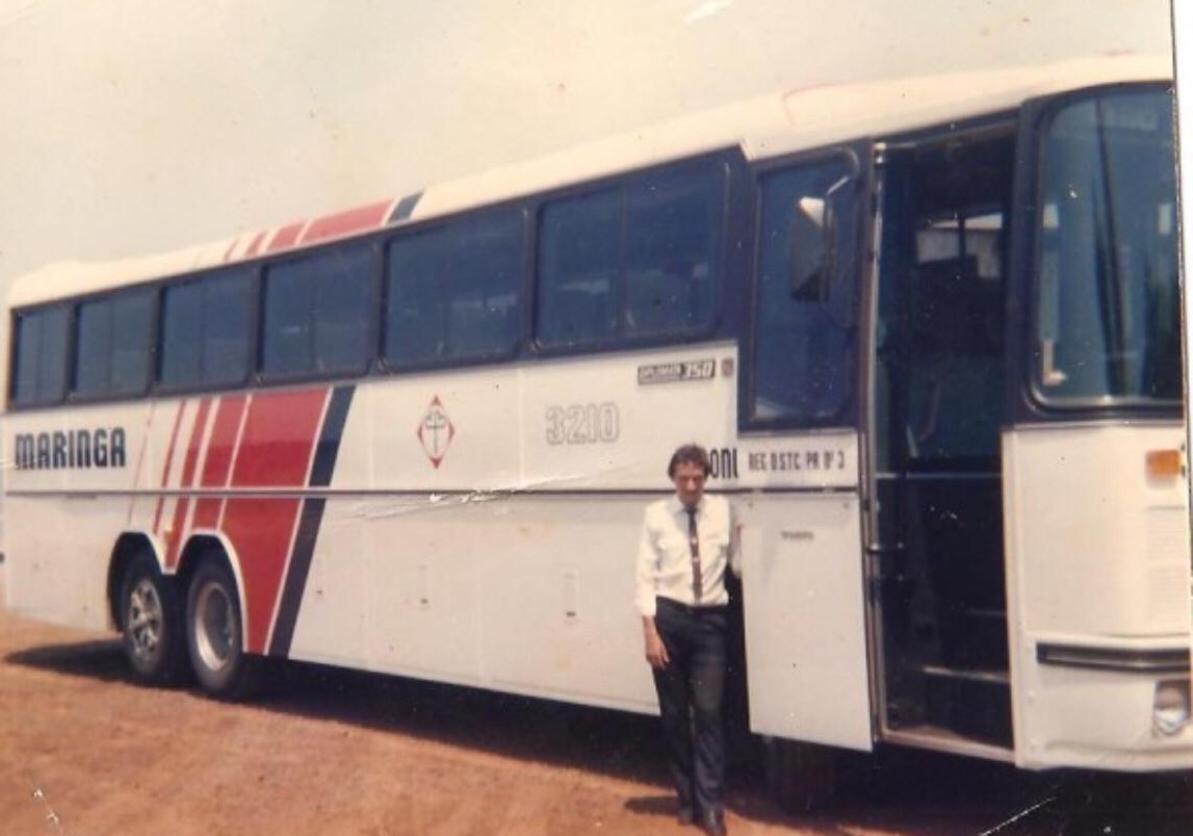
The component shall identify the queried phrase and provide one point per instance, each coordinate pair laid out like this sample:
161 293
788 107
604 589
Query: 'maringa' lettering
75 449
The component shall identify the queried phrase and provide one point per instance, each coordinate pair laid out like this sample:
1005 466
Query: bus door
936 367
804 592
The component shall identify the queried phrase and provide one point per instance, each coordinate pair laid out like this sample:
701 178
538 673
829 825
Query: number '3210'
583 423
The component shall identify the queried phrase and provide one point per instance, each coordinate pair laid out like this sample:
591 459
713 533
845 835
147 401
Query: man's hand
656 651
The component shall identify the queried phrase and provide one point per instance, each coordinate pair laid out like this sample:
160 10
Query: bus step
974 702
996 677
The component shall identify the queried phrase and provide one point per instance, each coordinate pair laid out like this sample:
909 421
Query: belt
691 609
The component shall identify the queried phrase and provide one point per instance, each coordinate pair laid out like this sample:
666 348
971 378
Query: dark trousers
691 689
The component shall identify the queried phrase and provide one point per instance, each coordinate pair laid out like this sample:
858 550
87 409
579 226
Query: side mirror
813 241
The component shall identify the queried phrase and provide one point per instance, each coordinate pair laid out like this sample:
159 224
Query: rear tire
151 623
214 631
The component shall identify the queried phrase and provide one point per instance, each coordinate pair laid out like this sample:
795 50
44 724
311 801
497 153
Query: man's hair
689 454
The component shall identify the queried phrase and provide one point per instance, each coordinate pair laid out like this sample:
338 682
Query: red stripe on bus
157 516
187 481
231 248
360 219
285 237
275 452
218 463
256 245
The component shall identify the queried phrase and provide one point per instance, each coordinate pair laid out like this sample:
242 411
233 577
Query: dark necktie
694 544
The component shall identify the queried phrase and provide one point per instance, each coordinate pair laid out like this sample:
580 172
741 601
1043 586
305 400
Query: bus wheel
801 776
151 619
213 632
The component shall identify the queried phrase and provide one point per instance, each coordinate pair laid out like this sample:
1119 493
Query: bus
928 329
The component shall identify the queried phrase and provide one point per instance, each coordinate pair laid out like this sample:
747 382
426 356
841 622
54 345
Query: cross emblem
436 431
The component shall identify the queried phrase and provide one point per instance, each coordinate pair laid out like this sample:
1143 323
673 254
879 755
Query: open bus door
934 480
804 590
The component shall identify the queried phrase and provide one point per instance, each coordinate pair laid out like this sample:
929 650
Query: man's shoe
685 816
713 823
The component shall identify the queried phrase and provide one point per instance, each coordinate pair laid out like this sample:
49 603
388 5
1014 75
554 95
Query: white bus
928 328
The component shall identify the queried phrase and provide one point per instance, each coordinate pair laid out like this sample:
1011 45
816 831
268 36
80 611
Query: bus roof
778 123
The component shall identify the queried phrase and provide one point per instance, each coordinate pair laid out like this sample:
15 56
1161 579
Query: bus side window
486 272
205 330
579 267
803 350
640 259
317 313
112 345
673 230
453 291
415 311
39 365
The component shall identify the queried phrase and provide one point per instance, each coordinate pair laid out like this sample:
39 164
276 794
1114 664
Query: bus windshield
1107 308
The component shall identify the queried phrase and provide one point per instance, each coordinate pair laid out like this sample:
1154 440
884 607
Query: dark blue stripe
310 519
329 439
405 208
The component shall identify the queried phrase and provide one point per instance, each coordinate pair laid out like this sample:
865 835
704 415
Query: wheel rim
144 619
215 626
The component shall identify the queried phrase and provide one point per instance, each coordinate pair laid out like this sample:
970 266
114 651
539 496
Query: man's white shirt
665 557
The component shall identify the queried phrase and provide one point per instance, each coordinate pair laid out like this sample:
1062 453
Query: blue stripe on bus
405 208
310 519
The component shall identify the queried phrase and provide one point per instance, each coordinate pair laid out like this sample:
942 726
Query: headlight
1170 708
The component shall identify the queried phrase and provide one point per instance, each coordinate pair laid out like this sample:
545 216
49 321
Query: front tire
214 630
151 622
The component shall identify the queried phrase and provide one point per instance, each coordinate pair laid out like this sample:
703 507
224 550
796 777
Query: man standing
686 545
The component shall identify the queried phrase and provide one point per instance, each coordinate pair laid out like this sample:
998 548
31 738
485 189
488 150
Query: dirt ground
84 751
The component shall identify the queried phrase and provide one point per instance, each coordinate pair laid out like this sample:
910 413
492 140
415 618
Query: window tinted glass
343 309
39 371
51 373
112 347
673 240
803 342
227 314
132 315
639 259
453 291
1108 305
27 342
93 347
416 327
579 269
485 272
205 330
317 313
286 341
182 335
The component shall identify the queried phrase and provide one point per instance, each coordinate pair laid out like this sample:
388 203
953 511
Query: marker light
1163 464
1170 708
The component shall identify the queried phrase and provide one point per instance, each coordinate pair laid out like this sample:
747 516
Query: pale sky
134 126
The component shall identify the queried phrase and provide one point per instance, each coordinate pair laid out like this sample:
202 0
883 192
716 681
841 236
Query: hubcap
144 619
215 626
